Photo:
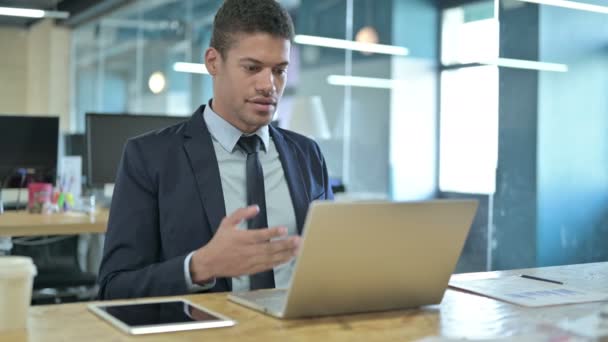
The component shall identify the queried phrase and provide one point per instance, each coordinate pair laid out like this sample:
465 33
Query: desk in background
89 249
22 223
460 314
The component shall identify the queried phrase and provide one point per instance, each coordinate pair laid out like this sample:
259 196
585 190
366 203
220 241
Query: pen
541 279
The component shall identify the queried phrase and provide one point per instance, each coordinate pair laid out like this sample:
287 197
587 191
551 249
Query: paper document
528 292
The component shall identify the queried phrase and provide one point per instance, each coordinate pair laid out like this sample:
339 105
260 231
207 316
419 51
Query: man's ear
212 60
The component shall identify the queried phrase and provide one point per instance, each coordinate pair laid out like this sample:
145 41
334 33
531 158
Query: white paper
108 190
528 292
70 175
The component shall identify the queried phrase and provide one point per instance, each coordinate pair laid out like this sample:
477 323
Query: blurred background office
503 101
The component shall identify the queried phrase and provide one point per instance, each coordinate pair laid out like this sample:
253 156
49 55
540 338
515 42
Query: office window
125 62
469 130
468 145
469 34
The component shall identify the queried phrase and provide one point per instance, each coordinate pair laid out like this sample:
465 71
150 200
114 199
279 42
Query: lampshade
308 117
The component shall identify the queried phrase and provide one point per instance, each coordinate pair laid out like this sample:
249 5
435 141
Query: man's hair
249 16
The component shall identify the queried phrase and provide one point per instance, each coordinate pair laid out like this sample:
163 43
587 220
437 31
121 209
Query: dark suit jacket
168 202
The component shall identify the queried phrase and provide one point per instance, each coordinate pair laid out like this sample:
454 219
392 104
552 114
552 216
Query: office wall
38 67
551 196
13 70
34 67
48 77
572 139
515 197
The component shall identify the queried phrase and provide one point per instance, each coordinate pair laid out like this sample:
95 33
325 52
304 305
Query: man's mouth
263 104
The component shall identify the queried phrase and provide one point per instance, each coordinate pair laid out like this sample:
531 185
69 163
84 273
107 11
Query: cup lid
16 266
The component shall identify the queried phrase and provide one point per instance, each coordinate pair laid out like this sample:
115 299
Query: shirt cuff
188 278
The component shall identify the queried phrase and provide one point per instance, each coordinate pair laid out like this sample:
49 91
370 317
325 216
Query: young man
168 232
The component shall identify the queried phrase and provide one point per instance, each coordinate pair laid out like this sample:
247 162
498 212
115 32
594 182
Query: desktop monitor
74 145
28 150
106 135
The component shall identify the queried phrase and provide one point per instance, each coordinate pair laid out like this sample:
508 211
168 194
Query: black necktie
256 195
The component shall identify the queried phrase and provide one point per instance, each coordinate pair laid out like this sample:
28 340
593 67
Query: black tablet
148 317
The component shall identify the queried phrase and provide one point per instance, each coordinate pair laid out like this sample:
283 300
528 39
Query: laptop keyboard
272 300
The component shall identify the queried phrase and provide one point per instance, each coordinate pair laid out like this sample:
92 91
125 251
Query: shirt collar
226 134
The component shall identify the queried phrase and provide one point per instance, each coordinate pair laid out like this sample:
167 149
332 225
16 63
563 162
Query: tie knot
250 144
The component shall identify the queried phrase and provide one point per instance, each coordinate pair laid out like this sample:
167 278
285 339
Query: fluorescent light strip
571 4
366 82
195 68
351 45
524 64
21 12
32 13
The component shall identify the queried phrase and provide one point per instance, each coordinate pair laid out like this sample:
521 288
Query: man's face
249 81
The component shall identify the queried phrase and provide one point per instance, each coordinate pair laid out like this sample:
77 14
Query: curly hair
249 16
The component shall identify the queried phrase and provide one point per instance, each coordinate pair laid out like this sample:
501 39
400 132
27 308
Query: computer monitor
28 150
106 135
74 145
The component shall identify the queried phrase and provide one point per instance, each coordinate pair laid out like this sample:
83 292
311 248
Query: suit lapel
293 176
200 152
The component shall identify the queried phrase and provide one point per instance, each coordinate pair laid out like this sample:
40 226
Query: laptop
370 256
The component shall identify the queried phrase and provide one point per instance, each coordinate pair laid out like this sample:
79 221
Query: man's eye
252 68
280 71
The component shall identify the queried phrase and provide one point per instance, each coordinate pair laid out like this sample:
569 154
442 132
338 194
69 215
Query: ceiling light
571 4
525 64
368 35
366 82
32 13
351 45
195 68
157 82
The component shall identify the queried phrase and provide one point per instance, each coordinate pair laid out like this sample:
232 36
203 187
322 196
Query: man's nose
265 82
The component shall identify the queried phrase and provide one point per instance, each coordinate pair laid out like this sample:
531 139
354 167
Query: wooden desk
22 223
459 315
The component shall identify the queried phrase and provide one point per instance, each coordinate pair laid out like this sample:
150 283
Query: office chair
60 278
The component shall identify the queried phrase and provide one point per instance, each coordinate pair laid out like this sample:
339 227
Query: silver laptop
370 256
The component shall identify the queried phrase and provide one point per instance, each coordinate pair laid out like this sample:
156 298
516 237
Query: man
168 232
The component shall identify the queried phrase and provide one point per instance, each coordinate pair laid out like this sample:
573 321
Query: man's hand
233 252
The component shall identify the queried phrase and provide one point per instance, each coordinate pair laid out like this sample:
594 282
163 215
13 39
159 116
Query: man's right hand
233 252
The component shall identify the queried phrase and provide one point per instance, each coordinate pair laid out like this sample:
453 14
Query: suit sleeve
329 194
131 265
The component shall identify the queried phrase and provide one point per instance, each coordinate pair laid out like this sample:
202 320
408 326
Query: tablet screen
159 316
158 313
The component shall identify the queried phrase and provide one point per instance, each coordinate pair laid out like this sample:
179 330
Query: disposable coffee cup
16 280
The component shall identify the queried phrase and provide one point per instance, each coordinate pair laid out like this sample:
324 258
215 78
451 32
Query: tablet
159 316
